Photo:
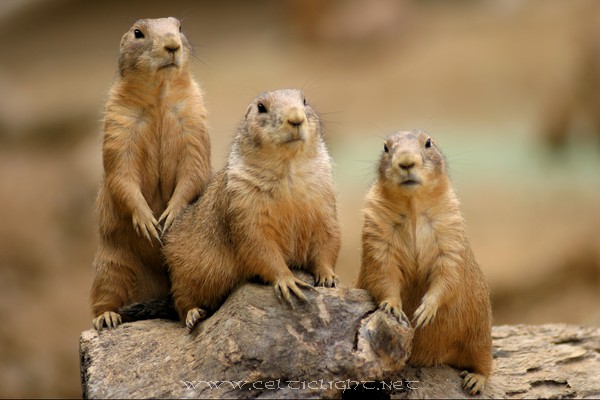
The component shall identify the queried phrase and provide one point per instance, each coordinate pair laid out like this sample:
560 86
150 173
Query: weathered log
336 345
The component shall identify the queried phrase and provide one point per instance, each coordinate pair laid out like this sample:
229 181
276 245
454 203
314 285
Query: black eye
138 34
179 28
385 148
261 108
428 143
305 101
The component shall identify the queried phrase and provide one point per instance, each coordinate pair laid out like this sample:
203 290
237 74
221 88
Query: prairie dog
272 207
156 156
417 260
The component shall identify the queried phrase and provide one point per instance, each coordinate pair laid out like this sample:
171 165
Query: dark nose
172 48
406 165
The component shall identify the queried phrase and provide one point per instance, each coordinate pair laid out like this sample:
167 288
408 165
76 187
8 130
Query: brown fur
156 155
417 259
271 207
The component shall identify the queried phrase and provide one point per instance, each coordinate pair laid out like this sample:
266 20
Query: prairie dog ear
248 111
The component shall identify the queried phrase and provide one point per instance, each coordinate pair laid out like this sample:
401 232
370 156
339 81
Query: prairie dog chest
291 209
151 127
302 183
167 121
152 145
414 237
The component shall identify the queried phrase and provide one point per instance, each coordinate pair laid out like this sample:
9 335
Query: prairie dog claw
284 286
109 318
395 310
326 279
194 316
425 314
168 216
472 382
146 225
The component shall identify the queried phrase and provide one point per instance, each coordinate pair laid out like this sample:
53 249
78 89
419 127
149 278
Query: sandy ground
476 77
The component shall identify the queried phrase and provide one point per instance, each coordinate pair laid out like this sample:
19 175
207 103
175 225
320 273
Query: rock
544 361
336 345
250 347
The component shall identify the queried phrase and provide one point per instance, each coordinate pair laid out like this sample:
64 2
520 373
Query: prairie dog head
281 120
410 161
154 46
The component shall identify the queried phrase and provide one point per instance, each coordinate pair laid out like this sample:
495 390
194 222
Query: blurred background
509 89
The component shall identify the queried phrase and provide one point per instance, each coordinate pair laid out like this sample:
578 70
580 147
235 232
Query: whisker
253 91
183 16
308 87
382 133
198 59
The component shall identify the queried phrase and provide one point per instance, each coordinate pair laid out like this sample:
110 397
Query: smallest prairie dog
271 207
417 259
156 155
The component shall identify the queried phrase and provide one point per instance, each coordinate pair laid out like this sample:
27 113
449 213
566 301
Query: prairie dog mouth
293 140
171 61
172 64
296 136
410 182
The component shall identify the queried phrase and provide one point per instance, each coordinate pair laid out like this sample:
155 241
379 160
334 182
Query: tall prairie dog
272 207
156 155
417 260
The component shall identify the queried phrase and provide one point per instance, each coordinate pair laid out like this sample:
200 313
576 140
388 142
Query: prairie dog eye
428 143
261 108
304 101
138 34
385 148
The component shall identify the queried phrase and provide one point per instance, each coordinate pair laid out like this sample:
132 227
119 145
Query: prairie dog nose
406 161
172 44
295 116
